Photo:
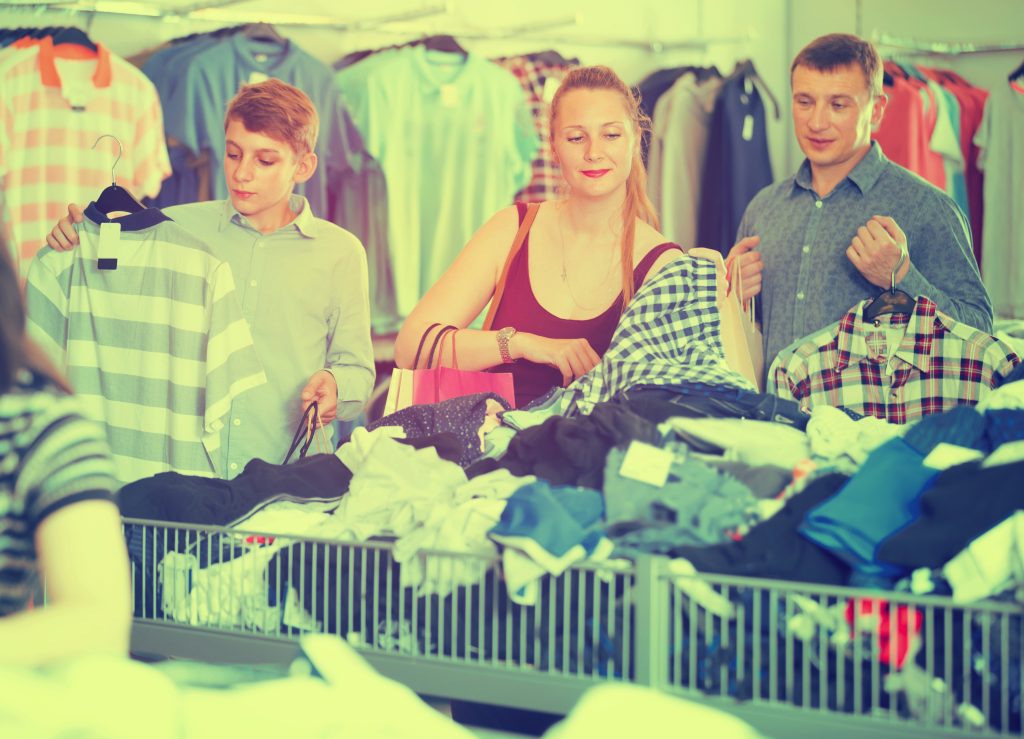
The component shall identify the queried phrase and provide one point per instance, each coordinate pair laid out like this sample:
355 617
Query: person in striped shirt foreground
301 281
57 515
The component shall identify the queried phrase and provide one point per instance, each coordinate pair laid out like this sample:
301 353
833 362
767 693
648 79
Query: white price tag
110 237
551 86
646 463
449 96
748 127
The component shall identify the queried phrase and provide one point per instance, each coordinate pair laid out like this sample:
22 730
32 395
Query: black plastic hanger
444 43
892 300
746 69
554 58
263 32
75 36
114 197
1016 74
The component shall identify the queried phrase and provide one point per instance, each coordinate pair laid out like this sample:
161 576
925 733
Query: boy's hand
63 237
322 388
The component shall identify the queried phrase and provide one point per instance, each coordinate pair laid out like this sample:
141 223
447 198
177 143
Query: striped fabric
157 348
52 110
51 457
897 367
670 333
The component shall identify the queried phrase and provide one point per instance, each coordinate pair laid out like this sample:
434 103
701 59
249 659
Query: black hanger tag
107 263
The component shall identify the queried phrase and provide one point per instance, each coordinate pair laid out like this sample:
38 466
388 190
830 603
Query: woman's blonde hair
637 203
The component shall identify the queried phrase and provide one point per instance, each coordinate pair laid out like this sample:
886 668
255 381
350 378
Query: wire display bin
792 659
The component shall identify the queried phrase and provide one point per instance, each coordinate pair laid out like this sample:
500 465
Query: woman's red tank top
519 308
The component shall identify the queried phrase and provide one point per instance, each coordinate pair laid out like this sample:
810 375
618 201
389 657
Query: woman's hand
572 357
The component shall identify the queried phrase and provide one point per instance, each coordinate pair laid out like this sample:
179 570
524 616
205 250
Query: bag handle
323 443
423 338
303 431
747 305
517 243
439 339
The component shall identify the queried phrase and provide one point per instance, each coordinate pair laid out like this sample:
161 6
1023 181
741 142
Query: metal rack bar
941 48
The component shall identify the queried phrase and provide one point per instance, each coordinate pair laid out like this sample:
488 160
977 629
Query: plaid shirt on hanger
669 334
539 79
937 364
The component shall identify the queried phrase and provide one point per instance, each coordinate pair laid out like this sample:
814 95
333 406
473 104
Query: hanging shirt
303 292
42 431
737 166
359 203
210 78
972 105
670 333
54 106
164 69
540 79
679 141
156 347
897 367
1001 141
946 141
455 141
907 130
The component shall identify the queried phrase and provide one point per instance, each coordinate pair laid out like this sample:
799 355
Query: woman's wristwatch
504 336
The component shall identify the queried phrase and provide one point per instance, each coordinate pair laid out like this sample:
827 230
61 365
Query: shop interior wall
769 32
978 22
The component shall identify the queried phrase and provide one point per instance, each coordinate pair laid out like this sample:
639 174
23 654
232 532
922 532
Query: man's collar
304 222
915 346
48 53
864 175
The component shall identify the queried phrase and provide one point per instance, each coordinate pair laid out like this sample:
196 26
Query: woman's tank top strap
641 270
521 207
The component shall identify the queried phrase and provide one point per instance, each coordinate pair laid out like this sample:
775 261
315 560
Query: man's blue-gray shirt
810 283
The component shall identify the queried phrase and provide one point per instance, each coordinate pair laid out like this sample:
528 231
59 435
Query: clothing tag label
257 77
748 127
646 463
110 237
551 86
944 456
449 96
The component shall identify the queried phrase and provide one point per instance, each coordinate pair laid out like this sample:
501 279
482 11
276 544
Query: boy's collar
304 222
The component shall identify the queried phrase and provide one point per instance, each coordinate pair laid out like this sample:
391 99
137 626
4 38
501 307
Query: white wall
774 31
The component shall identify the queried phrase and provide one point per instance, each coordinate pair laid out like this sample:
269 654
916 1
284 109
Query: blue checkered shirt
669 334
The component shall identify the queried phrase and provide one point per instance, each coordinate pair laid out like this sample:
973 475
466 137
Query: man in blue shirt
817 243
302 281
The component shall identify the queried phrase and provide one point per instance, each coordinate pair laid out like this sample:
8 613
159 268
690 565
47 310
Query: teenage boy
302 281
831 235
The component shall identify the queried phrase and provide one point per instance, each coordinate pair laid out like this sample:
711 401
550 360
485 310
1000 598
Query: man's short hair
836 50
278 110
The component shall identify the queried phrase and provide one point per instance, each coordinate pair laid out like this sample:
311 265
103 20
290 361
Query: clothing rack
215 10
941 48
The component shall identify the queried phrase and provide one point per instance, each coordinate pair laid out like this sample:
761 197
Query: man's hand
749 263
63 237
322 388
875 251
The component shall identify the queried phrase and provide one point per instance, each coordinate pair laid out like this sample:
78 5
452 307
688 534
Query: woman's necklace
565 272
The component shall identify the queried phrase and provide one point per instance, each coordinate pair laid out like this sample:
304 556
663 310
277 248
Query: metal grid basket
795 660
